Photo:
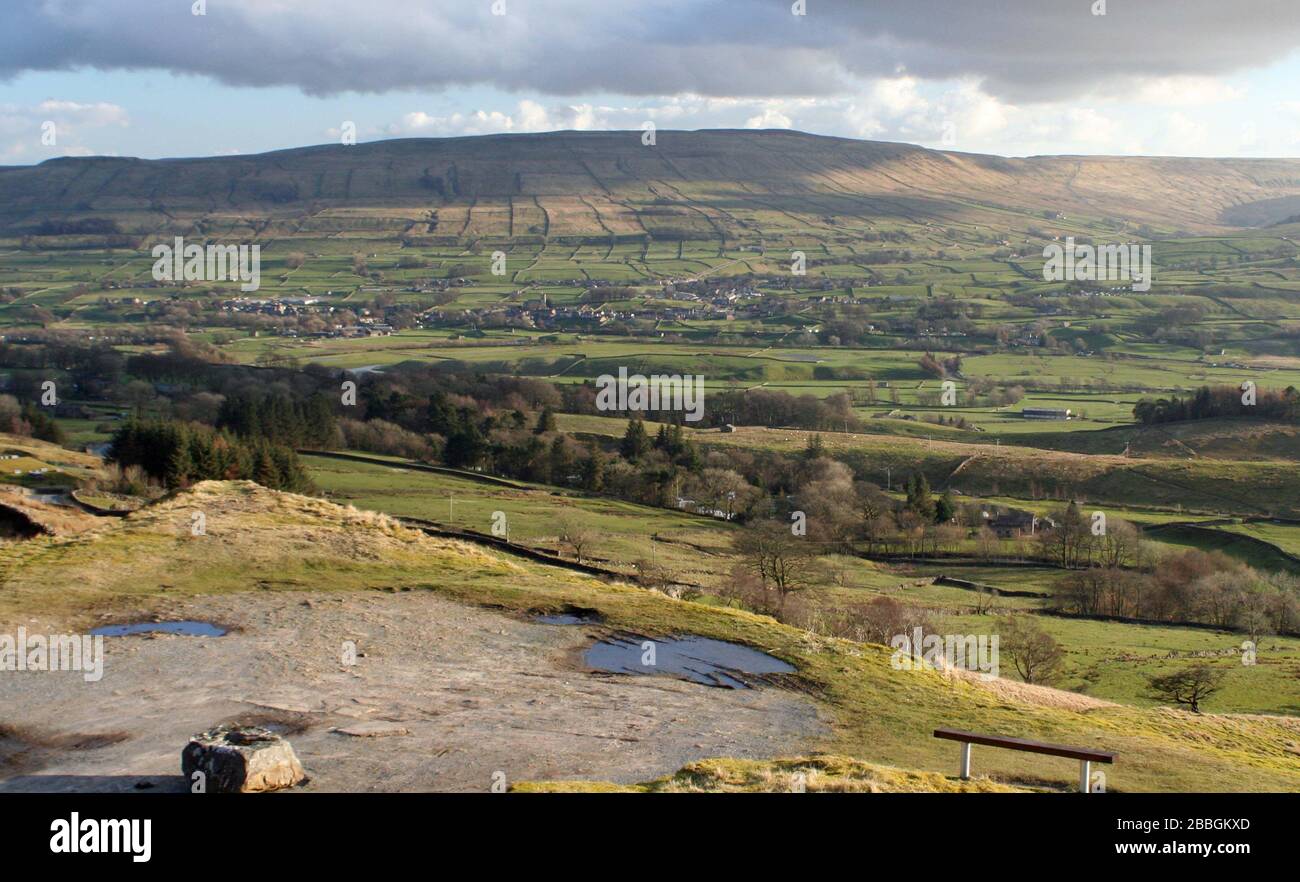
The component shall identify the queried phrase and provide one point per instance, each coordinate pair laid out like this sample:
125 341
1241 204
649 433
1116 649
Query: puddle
571 616
187 629
698 659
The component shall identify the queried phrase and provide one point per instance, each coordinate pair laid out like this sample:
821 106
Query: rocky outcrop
240 759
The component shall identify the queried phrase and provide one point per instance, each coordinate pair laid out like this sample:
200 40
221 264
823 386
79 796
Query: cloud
1087 126
54 128
528 116
1186 91
1186 131
959 117
898 95
770 118
1017 50
476 123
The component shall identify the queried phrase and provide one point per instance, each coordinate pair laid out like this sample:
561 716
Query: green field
1106 660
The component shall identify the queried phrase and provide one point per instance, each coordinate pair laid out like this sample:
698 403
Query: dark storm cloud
1021 49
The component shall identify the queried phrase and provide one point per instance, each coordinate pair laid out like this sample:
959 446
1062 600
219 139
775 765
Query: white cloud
1185 131
1186 91
897 96
1087 126
770 118
27 127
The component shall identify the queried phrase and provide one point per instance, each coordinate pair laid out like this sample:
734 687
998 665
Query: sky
164 78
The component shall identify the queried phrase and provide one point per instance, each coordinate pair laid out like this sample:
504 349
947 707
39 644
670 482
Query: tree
593 470
987 543
545 422
784 562
985 599
180 467
560 459
1035 653
1253 612
918 497
1118 546
946 508
1190 686
635 441
723 490
43 427
1064 543
814 449
465 447
574 536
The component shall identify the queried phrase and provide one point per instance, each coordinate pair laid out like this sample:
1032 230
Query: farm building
1045 413
1014 524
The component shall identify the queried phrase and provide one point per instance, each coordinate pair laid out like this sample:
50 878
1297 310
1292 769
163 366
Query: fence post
1085 776
965 760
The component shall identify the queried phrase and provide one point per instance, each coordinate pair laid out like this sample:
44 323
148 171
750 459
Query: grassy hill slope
705 183
257 540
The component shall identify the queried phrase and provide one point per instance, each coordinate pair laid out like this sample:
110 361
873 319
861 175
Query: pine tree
320 425
264 469
180 467
918 497
635 443
465 447
946 508
593 471
442 416
559 460
545 422
815 449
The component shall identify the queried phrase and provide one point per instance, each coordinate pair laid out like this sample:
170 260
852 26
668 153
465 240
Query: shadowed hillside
706 184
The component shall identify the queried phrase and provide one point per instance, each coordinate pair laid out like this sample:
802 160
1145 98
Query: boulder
241 759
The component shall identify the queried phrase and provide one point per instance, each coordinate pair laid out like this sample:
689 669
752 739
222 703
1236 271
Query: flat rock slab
373 730
480 692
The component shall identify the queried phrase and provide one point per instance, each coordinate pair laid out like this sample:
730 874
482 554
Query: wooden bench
1085 756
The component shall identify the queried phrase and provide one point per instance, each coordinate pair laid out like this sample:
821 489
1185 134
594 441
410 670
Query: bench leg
1085 776
965 760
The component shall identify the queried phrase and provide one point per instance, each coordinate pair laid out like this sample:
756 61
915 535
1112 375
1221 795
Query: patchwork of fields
886 308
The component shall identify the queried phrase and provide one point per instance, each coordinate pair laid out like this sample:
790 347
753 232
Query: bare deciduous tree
1035 653
1190 686
782 561
575 537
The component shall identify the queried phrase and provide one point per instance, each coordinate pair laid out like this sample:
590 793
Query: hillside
1206 439
459 678
1259 480
703 184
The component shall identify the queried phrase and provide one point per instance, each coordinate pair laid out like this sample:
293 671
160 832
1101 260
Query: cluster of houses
708 291
429 285
364 328
277 306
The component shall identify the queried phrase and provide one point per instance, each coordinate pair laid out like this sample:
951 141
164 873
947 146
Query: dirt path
449 693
